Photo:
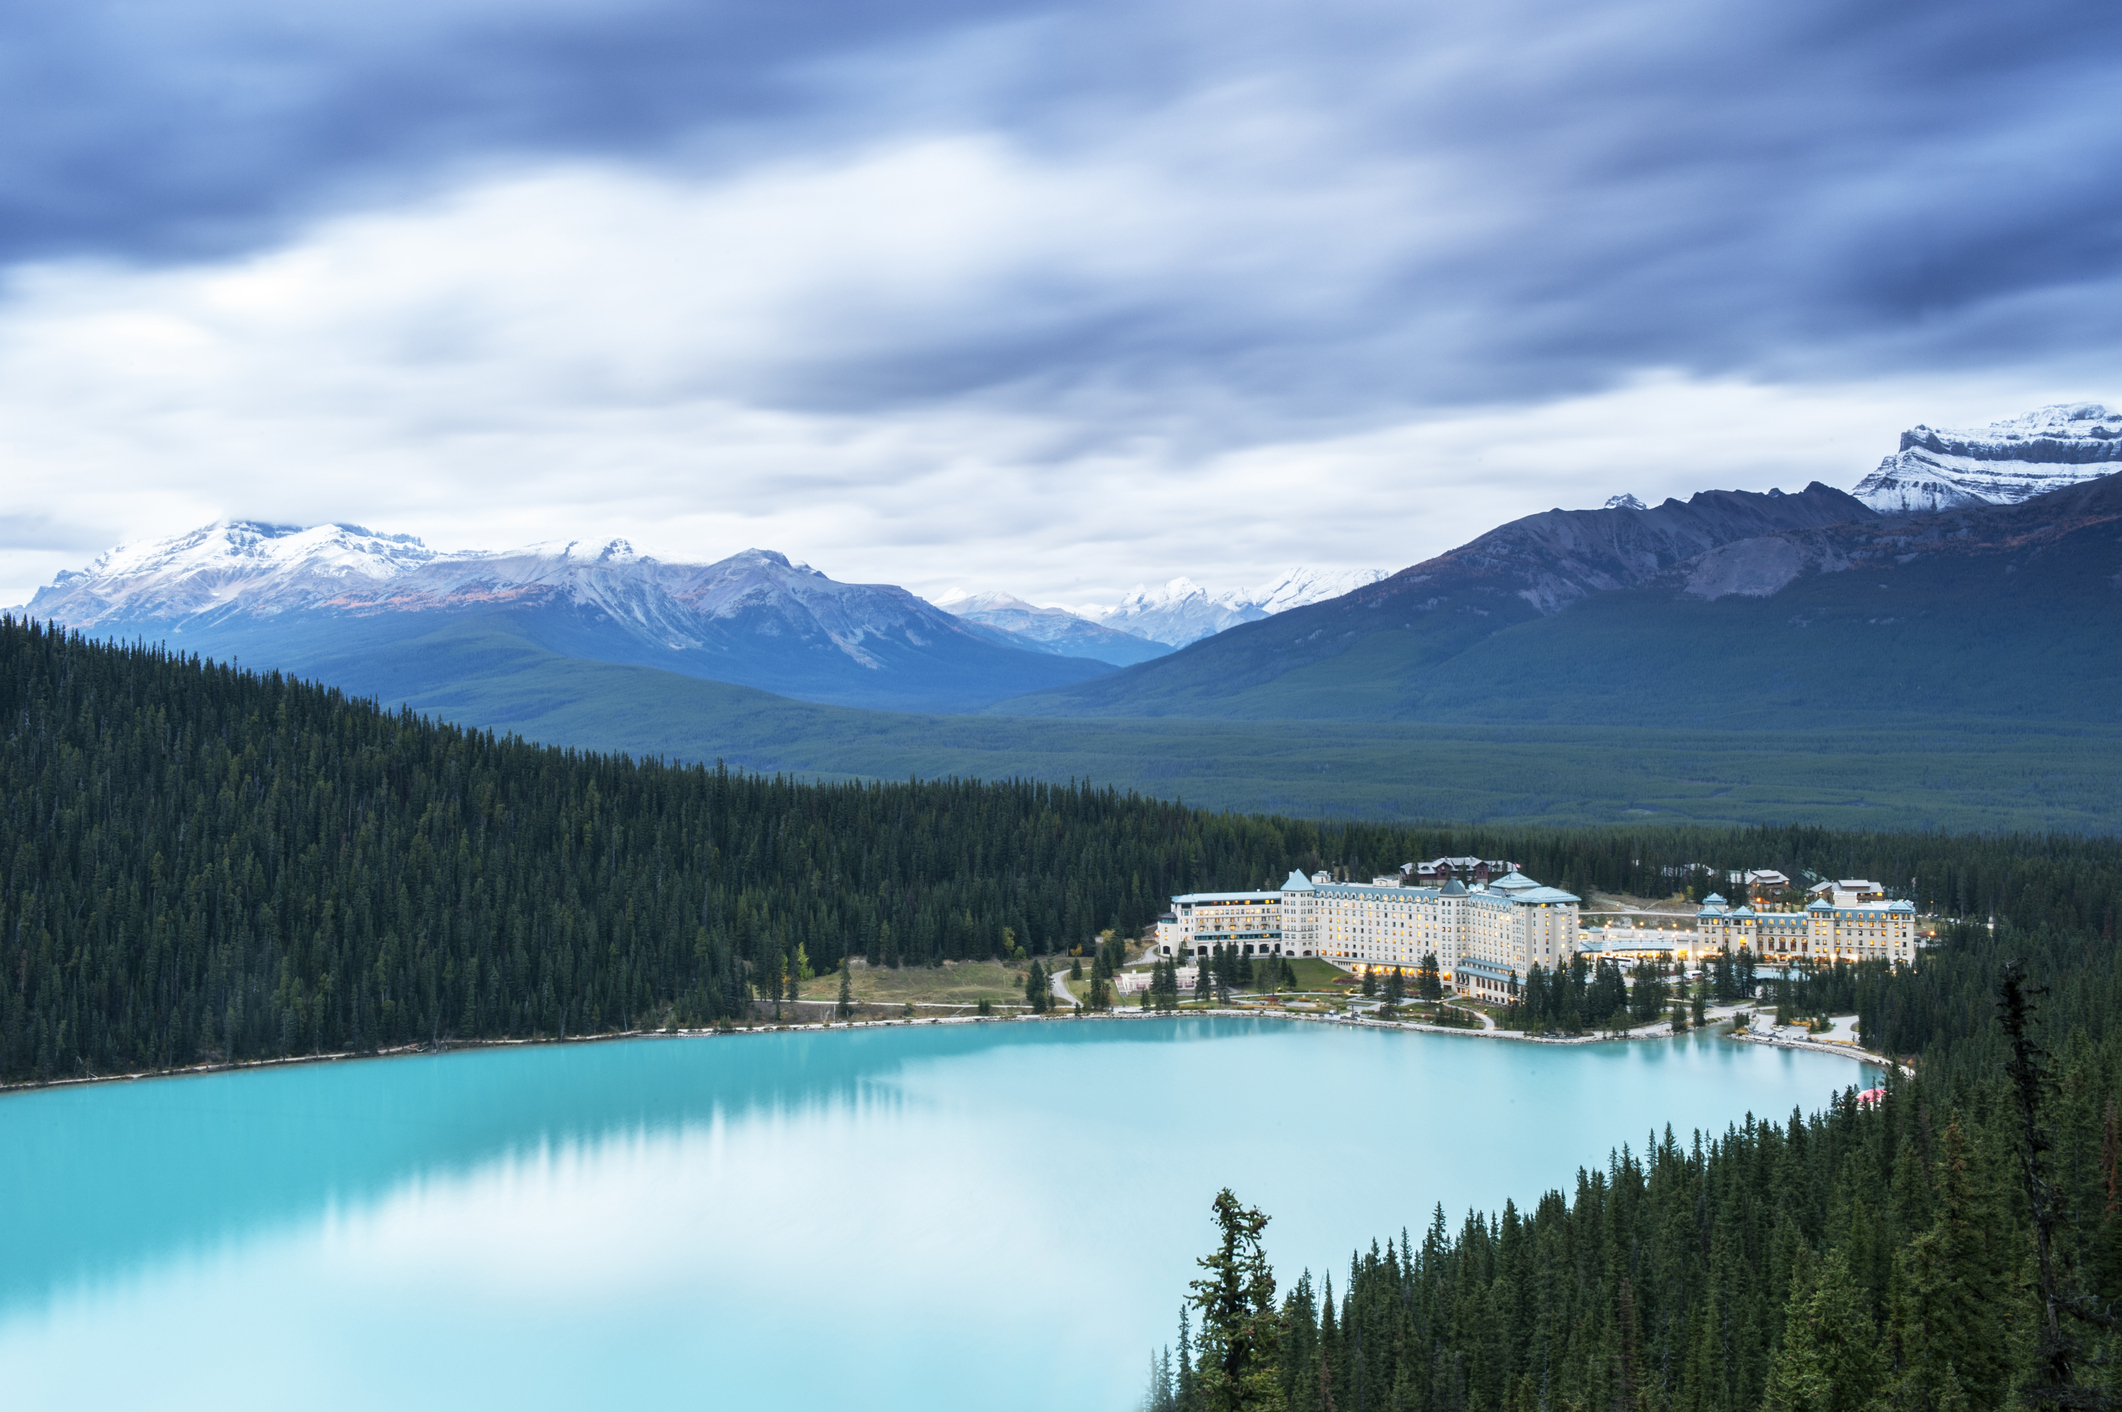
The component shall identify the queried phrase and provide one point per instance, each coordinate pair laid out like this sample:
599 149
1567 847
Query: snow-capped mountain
288 595
2000 464
1301 586
1174 613
1051 629
231 564
1182 611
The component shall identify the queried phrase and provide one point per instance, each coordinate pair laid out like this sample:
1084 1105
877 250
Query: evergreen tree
846 1004
1238 1365
1830 1360
1953 1342
1430 982
1724 977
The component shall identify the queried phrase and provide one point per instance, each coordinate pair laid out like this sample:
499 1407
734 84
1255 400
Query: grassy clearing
953 983
1314 974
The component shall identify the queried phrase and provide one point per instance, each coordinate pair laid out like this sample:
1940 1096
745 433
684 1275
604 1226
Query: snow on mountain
1301 586
267 568
1176 613
1182 611
1050 629
246 568
2000 464
754 618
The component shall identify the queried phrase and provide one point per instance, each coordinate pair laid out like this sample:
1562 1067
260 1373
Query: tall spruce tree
1238 1366
1831 1359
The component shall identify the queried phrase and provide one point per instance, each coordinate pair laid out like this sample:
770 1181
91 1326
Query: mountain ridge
282 594
1751 610
1180 611
1529 567
1052 629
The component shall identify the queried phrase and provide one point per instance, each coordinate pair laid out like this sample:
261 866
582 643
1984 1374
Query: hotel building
1847 925
1485 938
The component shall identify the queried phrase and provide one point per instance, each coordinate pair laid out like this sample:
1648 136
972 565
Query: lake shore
1649 1032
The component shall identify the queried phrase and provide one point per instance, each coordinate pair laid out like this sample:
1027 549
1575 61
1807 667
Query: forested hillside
1871 1258
204 864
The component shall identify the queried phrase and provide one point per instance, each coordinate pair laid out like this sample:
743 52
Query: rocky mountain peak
2003 463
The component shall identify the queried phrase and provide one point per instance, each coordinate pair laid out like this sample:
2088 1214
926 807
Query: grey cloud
1803 190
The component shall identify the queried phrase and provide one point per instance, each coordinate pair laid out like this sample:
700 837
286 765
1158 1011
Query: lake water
934 1217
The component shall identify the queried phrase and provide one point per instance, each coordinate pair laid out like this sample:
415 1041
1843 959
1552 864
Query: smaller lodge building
1849 920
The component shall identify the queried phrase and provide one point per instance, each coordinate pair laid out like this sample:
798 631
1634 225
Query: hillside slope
1836 617
1436 610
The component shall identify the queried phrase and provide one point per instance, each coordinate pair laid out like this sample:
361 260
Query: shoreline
1847 1051
1356 1022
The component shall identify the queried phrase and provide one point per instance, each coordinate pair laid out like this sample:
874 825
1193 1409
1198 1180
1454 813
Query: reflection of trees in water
97 1180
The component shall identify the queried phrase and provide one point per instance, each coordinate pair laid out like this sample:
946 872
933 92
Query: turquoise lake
933 1217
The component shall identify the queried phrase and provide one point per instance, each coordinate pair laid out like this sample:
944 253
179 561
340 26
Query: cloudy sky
1050 297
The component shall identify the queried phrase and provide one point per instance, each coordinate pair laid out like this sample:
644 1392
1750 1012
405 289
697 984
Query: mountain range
1733 611
1054 629
329 598
1171 615
1731 607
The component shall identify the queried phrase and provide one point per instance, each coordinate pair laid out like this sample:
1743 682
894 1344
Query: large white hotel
1485 938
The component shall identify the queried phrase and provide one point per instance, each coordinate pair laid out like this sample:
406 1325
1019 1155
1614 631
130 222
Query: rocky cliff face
1764 567
1552 560
2000 464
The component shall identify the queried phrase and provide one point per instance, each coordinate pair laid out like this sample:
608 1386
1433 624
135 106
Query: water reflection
912 1217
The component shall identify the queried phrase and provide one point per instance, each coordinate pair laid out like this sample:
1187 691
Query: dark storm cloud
177 129
1437 203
